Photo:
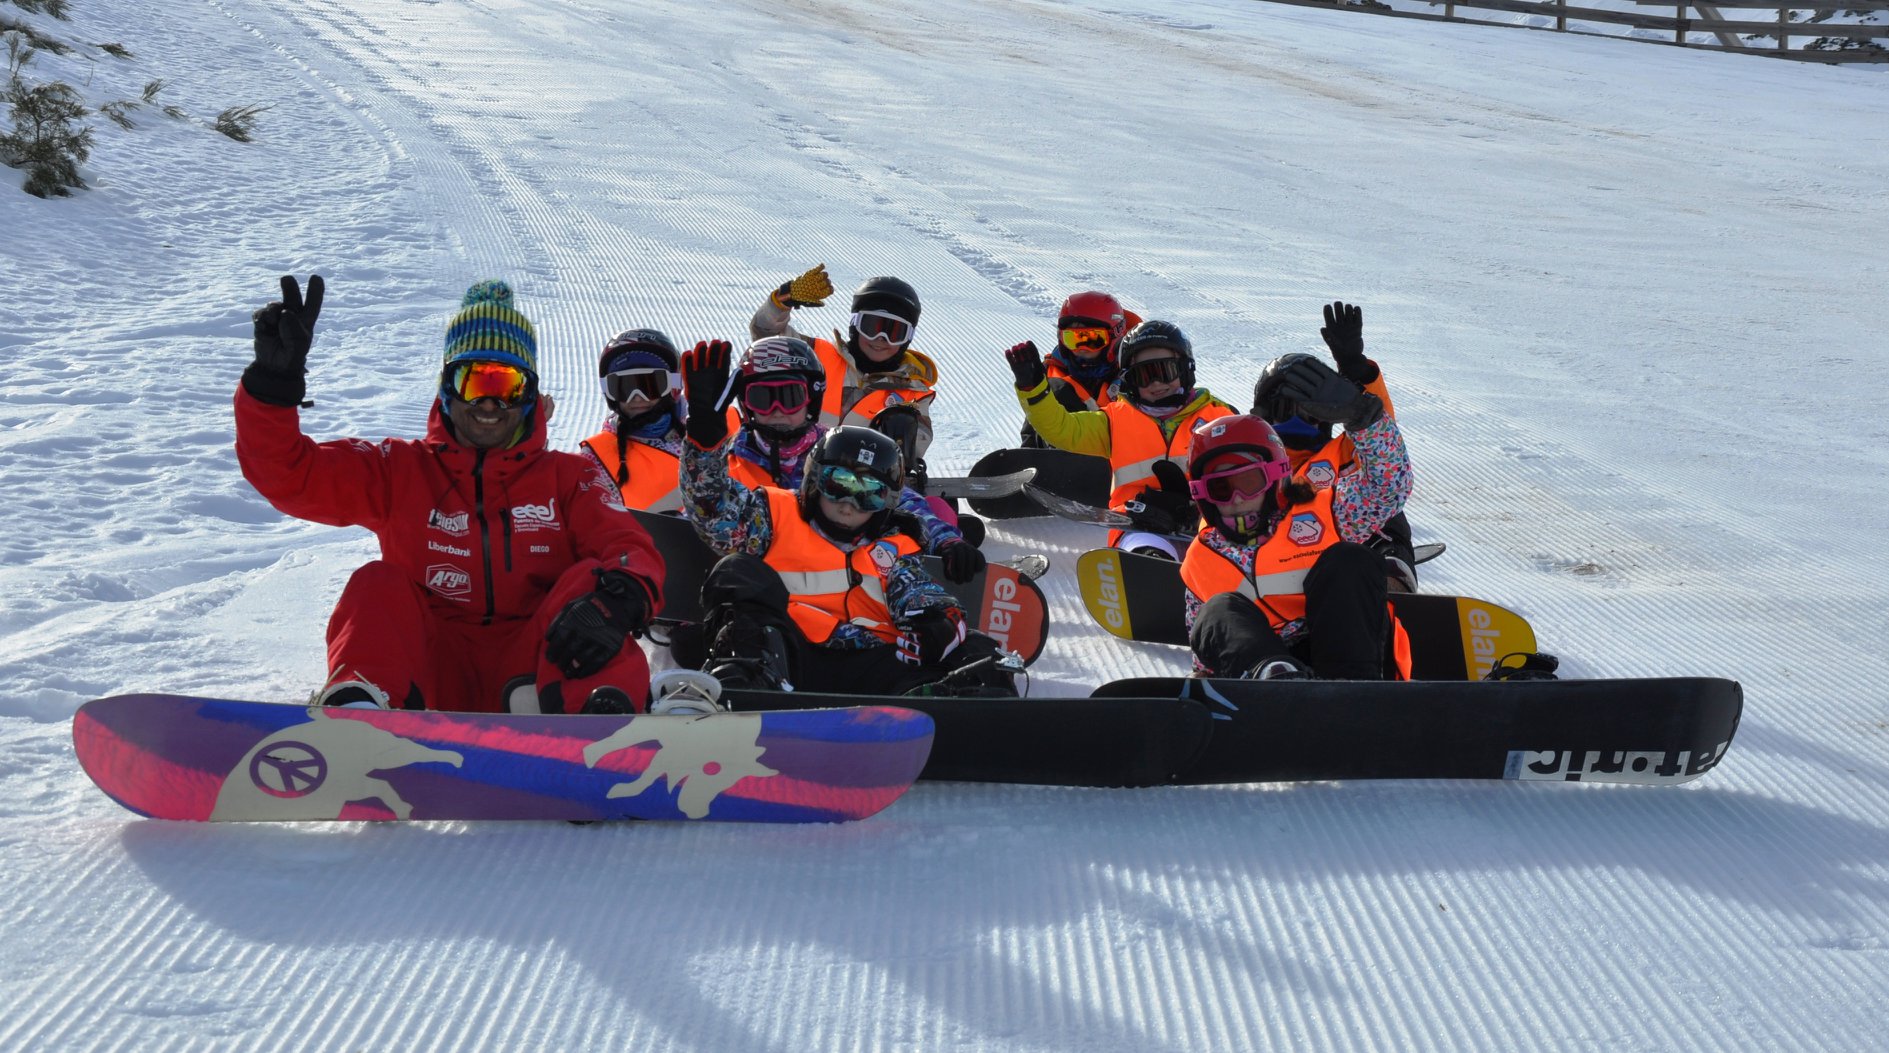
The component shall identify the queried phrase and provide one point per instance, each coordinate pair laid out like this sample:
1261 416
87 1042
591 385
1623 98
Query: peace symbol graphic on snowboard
288 769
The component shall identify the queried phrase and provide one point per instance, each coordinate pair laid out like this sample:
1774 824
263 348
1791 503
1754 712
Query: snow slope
1628 301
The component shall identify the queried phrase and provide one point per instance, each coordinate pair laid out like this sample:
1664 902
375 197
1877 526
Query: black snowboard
1164 731
1042 741
1076 476
1641 731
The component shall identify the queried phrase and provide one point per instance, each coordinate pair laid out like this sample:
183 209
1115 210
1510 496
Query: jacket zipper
485 533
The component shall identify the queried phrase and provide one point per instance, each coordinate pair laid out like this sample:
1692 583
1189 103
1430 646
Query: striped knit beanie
489 329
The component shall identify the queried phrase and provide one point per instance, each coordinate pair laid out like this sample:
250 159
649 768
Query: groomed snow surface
1628 299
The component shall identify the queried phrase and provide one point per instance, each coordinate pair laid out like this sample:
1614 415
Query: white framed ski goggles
625 385
882 325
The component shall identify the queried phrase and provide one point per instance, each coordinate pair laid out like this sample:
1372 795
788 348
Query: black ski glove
1344 334
1166 507
809 290
1026 364
285 330
935 634
1327 398
591 629
705 384
962 560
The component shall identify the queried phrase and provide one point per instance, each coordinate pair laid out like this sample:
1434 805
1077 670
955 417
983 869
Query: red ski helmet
1225 446
1094 308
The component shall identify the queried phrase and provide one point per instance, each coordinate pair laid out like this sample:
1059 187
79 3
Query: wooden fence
1871 42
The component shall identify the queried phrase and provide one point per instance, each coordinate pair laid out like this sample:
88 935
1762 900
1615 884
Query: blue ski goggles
865 492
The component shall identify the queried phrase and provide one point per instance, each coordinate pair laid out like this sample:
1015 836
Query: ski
1004 601
218 760
1139 597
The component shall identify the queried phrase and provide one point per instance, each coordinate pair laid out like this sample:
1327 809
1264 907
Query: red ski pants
386 631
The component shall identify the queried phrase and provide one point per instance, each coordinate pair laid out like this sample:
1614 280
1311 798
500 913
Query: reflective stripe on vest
827 586
1136 444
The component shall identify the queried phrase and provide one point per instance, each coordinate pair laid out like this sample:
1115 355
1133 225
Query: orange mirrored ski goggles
472 381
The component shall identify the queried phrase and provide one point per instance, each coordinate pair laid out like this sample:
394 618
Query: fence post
1783 32
1561 16
1679 23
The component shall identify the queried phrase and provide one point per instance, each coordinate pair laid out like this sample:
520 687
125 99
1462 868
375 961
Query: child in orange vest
818 588
1279 582
641 440
1144 432
1085 363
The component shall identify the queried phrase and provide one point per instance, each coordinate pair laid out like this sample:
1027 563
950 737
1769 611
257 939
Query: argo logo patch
449 581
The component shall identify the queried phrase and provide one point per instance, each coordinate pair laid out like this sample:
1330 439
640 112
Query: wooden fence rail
1686 19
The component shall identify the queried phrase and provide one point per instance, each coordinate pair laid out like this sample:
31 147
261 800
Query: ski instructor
510 575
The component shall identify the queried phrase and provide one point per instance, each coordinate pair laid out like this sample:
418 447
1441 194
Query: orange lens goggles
1085 338
473 381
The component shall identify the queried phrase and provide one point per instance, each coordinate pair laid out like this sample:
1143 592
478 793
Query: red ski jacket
485 532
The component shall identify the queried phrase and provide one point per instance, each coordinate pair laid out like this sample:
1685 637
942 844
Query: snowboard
1003 602
1651 731
1140 597
981 486
176 757
1166 731
1075 476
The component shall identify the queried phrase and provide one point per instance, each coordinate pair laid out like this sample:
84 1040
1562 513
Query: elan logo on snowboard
449 581
526 518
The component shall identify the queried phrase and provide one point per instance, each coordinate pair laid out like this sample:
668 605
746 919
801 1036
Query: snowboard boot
1279 667
750 656
684 693
351 694
608 701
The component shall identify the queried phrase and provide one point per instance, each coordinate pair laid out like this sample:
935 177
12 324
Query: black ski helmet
864 451
888 294
1156 333
653 343
1269 406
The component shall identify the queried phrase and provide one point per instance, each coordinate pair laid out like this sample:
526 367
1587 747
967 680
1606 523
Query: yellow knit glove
809 290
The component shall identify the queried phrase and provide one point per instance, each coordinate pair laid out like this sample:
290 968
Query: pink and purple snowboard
175 757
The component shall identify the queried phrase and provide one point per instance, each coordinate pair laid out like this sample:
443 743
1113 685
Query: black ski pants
1347 623
742 594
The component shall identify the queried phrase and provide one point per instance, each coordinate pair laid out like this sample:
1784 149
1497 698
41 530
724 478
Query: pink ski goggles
1240 482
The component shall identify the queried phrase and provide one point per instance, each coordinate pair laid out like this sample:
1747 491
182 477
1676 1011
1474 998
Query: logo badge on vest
1320 474
883 556
1305 529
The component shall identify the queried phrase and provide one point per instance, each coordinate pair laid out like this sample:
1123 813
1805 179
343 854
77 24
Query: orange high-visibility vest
826 585
1277 584
865 399
648 478
1054 370
1136 442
